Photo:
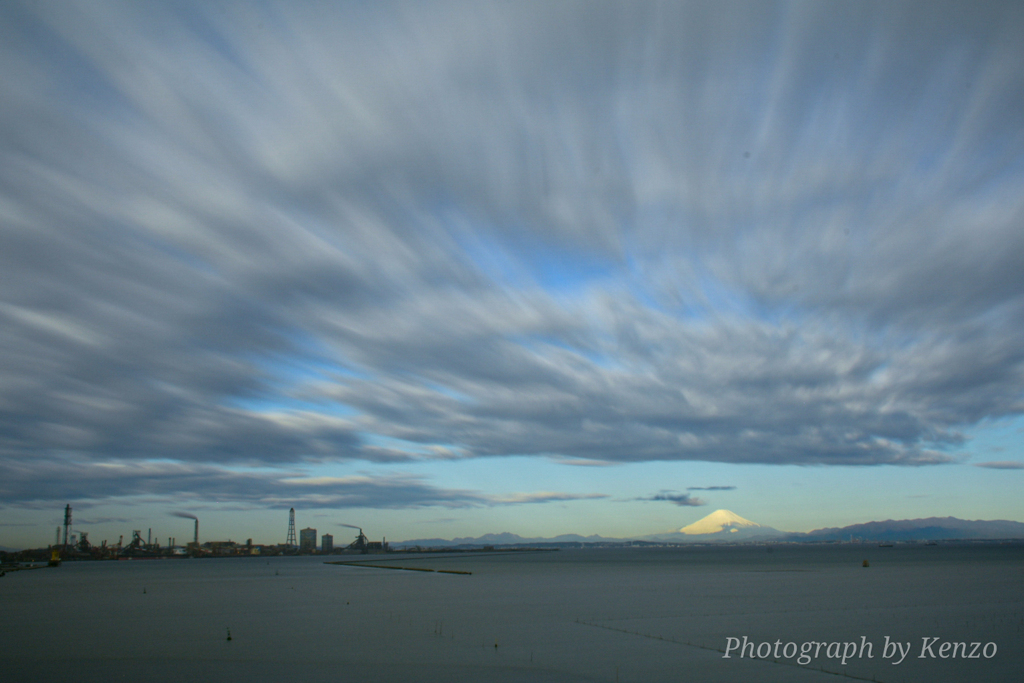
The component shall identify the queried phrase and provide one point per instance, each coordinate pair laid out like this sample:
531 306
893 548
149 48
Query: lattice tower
291 528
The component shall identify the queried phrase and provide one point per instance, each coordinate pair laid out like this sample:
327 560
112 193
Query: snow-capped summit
717 522
721 526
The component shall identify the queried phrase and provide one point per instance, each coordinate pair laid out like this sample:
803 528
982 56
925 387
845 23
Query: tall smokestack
186 515
67 524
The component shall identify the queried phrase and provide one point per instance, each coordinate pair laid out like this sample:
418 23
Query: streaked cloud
48 482
585 462
91 521
681 499
278 237
710 488
1001 465
543 497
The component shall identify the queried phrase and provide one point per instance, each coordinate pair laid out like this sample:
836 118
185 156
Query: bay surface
626 614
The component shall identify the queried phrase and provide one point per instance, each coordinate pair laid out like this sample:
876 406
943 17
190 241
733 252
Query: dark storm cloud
598 233
681 499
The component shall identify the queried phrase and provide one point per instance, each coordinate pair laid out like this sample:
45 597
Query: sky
446 269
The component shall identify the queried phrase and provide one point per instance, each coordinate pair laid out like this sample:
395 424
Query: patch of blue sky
722 300
449 392
719 299
286 375
291 369
391 443
860 494
600 360
306 359
665 296
501 475
483 250
789 498
624 513
556 268
679 305
998 439
564 271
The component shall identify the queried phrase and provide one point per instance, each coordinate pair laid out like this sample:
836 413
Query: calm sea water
571 615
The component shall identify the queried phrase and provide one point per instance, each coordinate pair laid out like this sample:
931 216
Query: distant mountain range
930 529
723 526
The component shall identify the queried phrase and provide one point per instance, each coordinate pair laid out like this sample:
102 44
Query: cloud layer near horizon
604 233
680 499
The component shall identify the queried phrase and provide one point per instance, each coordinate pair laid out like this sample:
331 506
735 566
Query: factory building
326 543
307 540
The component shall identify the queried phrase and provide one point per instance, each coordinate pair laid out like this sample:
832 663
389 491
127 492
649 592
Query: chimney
197 533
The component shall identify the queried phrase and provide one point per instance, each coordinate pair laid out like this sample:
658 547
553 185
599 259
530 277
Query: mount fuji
719 526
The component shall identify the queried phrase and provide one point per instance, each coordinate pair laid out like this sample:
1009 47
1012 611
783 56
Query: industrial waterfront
76 546
628 614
